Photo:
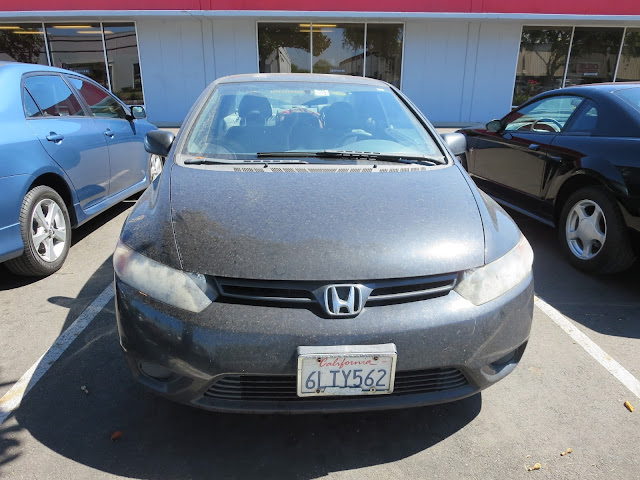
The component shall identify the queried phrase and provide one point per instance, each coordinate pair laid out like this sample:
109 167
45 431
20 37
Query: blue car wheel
46 233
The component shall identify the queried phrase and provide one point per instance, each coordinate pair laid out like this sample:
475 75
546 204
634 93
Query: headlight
483 284
189 291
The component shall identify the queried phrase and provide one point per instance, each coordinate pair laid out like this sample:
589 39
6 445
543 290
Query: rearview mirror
159 142
456 142
494 126
137 111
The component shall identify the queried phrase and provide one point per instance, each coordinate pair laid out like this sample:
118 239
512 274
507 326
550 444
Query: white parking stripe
12 399
617 370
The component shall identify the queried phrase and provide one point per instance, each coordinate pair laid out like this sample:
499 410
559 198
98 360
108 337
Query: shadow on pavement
608 304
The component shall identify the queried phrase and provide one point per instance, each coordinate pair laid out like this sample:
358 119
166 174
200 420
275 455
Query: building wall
180 56
460 72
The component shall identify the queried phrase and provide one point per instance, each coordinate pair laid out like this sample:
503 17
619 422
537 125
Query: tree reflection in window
23 43
629 67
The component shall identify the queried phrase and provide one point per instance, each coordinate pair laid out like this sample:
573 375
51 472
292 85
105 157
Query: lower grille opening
284 388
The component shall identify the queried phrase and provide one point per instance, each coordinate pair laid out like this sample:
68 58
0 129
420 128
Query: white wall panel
179 57
495 68
434 67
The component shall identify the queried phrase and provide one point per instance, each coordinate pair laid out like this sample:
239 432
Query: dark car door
129 161
510 163
69 136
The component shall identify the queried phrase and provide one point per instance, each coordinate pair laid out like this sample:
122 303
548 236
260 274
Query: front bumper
457 348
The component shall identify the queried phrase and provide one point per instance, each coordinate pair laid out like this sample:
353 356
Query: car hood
325 226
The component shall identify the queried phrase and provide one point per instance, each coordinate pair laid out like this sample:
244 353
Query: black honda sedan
312 245
571 159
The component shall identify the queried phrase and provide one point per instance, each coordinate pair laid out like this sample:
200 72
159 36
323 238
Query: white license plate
346 370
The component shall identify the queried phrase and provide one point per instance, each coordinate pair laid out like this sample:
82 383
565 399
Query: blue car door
129 160
70 136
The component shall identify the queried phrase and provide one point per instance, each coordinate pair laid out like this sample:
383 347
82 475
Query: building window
594 54
629 63
23 43
284 48
122 53
541 62
78 48
332 48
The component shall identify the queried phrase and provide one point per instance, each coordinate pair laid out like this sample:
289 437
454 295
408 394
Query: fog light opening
154 371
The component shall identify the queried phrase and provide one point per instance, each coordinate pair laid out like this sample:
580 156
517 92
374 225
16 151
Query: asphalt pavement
558 398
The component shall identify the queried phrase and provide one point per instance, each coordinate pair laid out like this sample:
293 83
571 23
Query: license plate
346 370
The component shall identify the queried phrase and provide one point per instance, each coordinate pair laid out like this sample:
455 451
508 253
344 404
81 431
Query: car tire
593 234
45 227
156 164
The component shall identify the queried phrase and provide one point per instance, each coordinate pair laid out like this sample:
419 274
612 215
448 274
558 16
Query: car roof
594 90
300 77
20 68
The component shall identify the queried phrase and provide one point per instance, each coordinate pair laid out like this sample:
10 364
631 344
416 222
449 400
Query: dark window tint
78 48
124 65
31 110
53 96
629 66
594 54
545 116
23 42
586 119
541 62
100 102
384 52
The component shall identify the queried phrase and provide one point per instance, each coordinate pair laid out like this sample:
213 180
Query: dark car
69 150
571 159
313 246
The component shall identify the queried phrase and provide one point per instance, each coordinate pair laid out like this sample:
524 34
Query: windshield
241 120
631 96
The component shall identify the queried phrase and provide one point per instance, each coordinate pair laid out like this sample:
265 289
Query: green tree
22 48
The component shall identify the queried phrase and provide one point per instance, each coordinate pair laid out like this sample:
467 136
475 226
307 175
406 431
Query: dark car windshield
631 96
244 119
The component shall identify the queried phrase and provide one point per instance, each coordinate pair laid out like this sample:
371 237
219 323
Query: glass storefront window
541 62
594 54
284 47
124 64
384 52
78 48
23 42
338 49
629 66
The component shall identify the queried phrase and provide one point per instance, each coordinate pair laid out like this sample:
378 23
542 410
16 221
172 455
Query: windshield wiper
389 157
217 161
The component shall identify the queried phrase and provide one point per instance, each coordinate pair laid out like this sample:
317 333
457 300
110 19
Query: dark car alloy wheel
46 232
593 234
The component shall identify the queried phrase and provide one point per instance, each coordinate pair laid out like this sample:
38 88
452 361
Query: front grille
284 388
293 293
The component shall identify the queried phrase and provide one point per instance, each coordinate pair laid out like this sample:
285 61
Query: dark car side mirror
494 126
159 142
137 111
456 142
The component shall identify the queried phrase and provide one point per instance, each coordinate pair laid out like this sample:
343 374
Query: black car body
565 147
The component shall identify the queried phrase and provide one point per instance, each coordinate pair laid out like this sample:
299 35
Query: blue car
69 150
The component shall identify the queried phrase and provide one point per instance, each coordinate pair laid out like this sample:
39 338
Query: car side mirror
456 142
138 112
158 142
494 126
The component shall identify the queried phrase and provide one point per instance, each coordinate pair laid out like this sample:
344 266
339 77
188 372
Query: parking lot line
12 399
617 370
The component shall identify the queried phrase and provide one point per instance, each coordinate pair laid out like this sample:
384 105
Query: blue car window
31 110
100 102
53 96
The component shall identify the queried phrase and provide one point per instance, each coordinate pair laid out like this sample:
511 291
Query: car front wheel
593 234
46 233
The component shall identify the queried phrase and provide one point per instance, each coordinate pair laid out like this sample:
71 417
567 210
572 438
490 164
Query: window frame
23 86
